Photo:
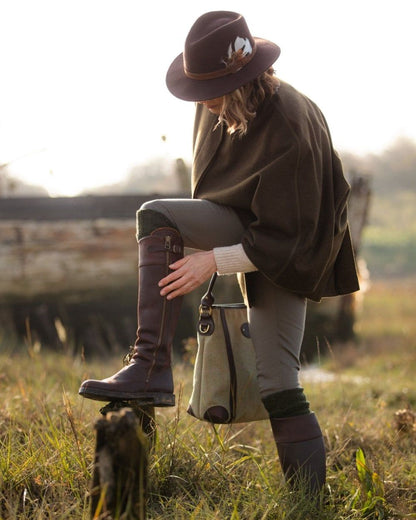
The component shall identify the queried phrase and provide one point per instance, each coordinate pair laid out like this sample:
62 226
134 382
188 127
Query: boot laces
129 356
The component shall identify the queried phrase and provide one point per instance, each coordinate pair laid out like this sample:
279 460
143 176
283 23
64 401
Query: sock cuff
287 403
147 220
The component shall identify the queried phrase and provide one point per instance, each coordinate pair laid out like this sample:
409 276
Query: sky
82 86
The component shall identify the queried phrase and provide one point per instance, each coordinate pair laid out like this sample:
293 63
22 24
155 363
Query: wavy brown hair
240 106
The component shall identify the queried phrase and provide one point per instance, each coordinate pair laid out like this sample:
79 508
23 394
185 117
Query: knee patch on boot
148 220
288 403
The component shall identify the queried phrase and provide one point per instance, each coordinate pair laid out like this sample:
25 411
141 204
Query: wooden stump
120 468
144 413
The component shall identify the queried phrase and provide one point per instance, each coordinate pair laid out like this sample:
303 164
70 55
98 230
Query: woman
269 201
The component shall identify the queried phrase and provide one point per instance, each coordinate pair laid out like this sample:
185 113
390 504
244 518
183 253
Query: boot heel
153 399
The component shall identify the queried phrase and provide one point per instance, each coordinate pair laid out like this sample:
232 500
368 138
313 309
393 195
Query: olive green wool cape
286 182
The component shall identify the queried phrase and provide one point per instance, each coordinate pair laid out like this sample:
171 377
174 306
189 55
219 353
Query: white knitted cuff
232 259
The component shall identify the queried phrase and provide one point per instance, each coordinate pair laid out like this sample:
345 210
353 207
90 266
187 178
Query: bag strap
231 365
206 324
206 327
208 297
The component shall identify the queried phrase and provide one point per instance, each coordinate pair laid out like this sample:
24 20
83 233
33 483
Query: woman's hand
188 273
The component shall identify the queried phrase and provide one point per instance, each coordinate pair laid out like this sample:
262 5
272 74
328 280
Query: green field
47 436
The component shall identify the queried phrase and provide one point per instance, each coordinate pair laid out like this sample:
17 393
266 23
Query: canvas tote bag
225 388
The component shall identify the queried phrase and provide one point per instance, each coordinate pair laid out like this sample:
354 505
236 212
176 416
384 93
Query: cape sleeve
300 214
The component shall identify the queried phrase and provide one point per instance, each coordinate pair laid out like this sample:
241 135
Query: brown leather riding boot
301 451
148 375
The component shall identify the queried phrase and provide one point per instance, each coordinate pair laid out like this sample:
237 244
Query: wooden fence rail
70 264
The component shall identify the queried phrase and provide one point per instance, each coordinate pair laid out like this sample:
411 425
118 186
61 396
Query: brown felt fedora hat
220 56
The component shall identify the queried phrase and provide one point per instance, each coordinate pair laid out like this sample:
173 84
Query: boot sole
140 399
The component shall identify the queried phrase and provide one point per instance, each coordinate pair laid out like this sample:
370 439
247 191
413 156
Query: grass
47 436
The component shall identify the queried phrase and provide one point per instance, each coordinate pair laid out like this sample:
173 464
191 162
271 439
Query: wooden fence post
358 208
120 468
144 413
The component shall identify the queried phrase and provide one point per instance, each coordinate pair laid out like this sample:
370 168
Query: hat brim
189 89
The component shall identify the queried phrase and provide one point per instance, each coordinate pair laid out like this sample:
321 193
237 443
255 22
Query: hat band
235 63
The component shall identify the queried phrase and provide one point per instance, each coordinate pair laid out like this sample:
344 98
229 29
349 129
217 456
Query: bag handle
206 324
208 298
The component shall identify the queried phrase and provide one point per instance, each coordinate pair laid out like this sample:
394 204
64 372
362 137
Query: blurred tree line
392 172
389 241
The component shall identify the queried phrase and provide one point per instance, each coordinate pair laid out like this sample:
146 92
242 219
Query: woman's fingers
187 274
182 283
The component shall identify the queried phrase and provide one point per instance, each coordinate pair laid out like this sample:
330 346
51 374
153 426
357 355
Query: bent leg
202 224
148 376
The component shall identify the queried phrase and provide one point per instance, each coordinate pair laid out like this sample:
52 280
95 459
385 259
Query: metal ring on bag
205 311
204 328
